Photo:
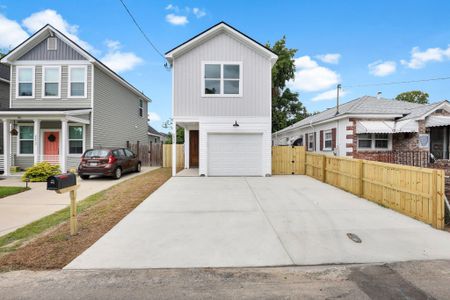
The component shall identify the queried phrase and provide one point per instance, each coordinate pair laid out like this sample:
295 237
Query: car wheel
138 167
84 177
117 173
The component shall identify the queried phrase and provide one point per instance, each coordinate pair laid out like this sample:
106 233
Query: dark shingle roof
4 71
153 131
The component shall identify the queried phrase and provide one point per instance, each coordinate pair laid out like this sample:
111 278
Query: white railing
2 162
52 159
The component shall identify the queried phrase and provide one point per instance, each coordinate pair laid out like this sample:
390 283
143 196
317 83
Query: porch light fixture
235 124
14 131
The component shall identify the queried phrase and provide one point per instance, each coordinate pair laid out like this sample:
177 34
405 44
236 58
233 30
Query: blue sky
348 42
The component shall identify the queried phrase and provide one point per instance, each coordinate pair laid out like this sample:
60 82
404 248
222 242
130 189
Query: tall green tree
413 96
286 106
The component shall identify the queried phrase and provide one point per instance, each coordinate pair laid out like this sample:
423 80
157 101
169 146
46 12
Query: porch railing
52 159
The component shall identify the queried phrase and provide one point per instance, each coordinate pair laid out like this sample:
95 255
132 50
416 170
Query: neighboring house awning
434 121
375 127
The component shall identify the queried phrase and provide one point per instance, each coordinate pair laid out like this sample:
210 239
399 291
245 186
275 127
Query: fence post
437 188
303 160
128 144
324 168
137 149
434 199
361 178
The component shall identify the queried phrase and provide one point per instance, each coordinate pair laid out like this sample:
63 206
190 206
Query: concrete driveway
23 208
282 220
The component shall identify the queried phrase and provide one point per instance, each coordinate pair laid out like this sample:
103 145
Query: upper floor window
25 82
77 81
222 79
141 107
51 81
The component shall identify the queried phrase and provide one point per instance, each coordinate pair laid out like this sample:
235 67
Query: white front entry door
235 154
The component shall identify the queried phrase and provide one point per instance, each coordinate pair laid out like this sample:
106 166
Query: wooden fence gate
288 160
150 154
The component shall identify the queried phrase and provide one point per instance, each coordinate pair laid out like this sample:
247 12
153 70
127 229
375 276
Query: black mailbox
61 181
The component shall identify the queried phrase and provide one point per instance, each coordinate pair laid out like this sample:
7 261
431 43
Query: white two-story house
63 101
222 98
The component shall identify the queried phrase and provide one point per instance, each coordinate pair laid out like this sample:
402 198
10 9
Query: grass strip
6 191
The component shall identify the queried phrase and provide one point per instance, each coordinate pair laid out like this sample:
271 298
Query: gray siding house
64 101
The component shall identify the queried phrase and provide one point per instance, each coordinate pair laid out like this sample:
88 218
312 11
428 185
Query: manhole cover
354 237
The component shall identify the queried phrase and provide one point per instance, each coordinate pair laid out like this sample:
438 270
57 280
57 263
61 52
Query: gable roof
153 131
365 105
48 29
213 31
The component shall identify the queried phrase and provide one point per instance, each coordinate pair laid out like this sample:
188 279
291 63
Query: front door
51 146
193 149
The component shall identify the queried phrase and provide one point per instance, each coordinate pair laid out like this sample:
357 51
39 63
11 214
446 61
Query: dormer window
222 79
52 44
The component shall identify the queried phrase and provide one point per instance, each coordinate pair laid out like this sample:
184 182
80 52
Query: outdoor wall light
235 124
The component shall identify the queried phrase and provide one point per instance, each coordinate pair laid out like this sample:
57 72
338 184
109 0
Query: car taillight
111 159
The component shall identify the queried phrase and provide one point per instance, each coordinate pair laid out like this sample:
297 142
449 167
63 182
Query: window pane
25 89
231 86
77 89
51 75
129 153
76 132
51 89
75 147
327 144
212 86
26 75
365 143
77 75
231 71
381 144
26 132
328 135
26 147
365 136
380 136
212 71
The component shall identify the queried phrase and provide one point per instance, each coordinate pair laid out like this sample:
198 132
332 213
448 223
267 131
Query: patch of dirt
55 249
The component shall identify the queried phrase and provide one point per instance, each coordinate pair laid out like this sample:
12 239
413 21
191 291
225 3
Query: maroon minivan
108 162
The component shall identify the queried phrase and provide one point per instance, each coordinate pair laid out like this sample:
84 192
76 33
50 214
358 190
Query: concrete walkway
21 209
280 220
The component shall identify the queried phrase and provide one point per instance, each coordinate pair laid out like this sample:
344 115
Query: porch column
64 138
6 148
37 138
174 149
186 148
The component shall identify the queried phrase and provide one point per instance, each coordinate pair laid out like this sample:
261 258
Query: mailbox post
64 183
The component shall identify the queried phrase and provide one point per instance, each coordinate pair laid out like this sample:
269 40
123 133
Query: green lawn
6 191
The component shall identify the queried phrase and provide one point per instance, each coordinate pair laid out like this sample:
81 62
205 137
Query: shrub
40 172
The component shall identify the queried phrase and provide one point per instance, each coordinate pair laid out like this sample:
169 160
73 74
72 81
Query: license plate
93 164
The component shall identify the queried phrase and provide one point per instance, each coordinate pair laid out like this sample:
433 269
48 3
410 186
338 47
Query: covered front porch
191 150
58 137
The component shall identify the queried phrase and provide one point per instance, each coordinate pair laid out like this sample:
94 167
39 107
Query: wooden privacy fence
288 160
167 155
412 191
150 154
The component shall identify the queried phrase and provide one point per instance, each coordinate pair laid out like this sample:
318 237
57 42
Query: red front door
51 146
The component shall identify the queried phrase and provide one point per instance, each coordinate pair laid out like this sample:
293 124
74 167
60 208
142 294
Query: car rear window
96 153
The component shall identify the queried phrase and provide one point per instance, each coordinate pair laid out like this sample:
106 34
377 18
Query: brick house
377 129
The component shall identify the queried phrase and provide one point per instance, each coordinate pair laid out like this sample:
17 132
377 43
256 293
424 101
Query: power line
395 82
143 33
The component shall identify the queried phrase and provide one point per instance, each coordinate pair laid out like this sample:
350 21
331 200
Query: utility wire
395 82
144 34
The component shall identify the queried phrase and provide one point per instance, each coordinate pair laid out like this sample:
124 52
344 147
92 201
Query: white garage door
234 154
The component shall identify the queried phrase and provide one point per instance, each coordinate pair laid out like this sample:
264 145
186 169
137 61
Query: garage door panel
234 154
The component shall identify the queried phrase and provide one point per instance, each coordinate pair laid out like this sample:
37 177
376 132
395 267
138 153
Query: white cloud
176 19
329 58
120 61
382 68
172 7
11 33
420 58
310 77
328 95
152 116
198 12
49 16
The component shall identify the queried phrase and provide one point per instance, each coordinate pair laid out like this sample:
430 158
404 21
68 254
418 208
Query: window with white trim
327 140
26 139
222 79
373 141
141 108
52 82
25 82
75 139
311 142
77 81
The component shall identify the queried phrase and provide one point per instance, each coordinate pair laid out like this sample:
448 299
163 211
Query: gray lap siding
116 113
